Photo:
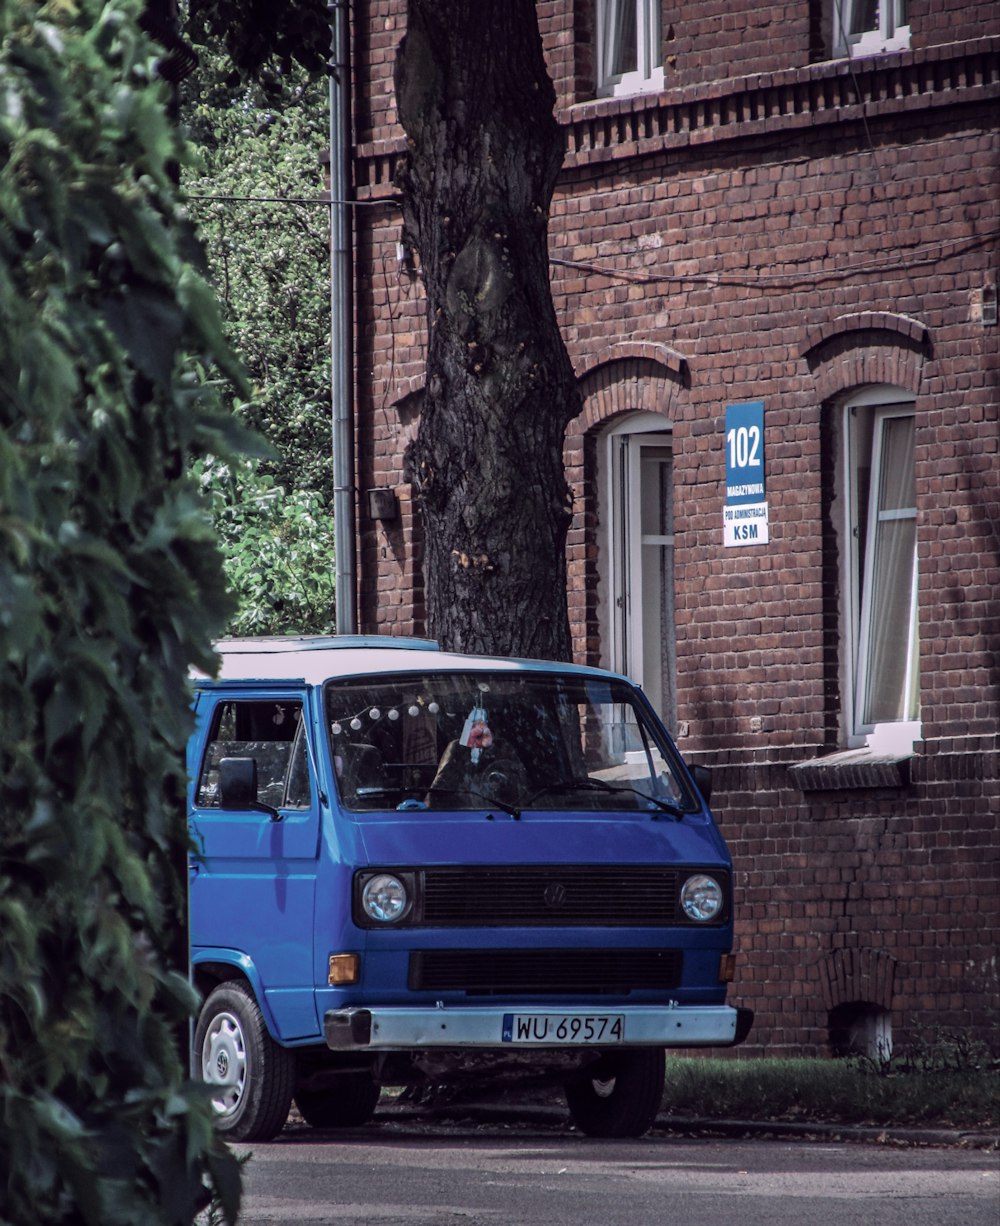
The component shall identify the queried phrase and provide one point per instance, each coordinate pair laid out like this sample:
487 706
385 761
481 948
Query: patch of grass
844 1091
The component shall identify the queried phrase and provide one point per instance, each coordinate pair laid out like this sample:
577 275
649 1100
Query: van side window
272 733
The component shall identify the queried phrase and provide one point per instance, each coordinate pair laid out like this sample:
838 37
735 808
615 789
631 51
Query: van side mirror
238 787
702 776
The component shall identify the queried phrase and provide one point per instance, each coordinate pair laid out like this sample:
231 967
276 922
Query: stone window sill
853 768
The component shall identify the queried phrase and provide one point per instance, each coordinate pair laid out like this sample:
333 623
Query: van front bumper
508 1026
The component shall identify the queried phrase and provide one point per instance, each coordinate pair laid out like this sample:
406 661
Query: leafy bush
278 550
255 195
937 1049
110 588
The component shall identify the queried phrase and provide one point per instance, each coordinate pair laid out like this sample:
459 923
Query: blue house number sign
745 452
745 513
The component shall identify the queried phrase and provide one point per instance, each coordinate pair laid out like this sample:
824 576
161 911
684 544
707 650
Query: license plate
563 1028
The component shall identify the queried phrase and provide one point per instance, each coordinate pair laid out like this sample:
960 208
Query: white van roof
316 658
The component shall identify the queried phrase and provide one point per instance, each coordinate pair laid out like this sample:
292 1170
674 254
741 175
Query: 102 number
744 446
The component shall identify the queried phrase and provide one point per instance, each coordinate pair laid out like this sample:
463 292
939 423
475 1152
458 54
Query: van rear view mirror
238 787
703 780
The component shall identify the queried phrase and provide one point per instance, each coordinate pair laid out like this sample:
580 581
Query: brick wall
782 228
903 877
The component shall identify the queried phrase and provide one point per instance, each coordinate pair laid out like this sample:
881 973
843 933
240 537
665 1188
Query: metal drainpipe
341 348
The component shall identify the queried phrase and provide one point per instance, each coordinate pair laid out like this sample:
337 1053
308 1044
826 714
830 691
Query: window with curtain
629 59
868 27
640 636
883 564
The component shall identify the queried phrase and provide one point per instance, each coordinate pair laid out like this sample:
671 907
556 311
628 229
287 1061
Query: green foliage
937 1049
110 588
278 554
256 196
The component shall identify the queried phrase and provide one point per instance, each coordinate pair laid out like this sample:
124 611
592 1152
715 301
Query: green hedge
110 587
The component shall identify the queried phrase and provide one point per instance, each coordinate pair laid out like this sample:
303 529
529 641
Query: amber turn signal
344 969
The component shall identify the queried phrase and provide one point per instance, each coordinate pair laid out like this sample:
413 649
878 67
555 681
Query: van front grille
549 896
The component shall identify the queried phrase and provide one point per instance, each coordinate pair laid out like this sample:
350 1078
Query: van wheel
347 1104
619 1095
251 1077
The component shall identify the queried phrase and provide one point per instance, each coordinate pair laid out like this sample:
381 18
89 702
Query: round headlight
702 898
384 898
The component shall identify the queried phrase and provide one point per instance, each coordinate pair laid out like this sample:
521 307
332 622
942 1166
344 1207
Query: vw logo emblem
555 895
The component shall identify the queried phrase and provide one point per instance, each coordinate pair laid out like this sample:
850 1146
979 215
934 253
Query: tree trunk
484 151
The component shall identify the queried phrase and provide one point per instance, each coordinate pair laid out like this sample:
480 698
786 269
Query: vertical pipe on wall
341 349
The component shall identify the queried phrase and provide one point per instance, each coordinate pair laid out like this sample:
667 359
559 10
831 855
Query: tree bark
484 151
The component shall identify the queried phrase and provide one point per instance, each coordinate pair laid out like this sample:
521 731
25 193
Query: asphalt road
407 1173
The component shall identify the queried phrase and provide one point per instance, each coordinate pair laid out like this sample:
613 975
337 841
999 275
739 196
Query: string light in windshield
356 722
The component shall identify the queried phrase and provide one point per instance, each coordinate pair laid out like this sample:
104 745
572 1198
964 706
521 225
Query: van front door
253 878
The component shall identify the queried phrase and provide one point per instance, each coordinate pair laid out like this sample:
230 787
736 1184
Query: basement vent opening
860 1028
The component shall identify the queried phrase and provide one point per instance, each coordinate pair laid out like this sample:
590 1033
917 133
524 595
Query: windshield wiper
583 783
515 813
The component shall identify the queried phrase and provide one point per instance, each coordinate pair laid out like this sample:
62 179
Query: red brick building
773 254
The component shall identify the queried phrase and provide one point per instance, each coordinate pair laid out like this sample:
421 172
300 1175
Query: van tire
620 1094
255 1075
347 1104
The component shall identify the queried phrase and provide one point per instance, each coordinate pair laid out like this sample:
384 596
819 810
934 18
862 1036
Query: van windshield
513 741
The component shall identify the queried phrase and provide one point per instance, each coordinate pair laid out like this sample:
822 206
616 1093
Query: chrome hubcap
224 1062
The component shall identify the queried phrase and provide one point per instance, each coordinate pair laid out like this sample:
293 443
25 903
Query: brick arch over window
633 377
868 347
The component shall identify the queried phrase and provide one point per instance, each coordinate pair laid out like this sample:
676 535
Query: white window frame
625 648
648 75
864 416
890 33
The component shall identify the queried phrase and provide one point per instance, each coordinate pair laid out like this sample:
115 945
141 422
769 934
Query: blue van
413 868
